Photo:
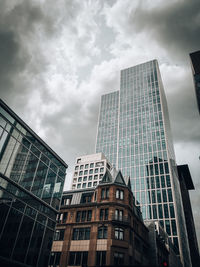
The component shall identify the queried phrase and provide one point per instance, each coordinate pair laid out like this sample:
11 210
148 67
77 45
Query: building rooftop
195 59
184 172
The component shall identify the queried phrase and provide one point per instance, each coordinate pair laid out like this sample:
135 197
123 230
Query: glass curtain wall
145 149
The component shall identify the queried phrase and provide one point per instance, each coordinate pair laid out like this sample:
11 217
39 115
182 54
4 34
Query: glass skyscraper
134 134
31 185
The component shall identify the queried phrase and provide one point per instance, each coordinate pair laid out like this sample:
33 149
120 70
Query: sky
58 57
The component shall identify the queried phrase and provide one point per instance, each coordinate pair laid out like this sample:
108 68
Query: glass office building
31 185
144 149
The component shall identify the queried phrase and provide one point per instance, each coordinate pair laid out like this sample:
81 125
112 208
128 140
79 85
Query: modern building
134 134
100 226
195 62
161 249
186 184
31 185
89 170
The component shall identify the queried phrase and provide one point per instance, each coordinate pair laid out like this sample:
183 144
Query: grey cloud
13 55
175 26
11 63
183 112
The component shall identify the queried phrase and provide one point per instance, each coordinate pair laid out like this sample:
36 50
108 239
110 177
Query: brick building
100 226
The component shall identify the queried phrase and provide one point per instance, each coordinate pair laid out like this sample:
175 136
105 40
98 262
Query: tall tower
134 134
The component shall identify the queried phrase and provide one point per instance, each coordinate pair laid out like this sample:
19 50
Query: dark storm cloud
15 22
175 25
25 27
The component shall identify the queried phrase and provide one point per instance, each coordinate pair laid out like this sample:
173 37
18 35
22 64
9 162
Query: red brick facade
107 230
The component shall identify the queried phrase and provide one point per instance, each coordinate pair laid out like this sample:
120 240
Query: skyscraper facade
31 184
144 148
107 137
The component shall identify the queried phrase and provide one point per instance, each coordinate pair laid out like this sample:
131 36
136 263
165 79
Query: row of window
84 185
86 215
89 178
91 171
86 166
80 258
84 233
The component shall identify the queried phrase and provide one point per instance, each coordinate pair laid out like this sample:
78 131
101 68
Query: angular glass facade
145 150
31 184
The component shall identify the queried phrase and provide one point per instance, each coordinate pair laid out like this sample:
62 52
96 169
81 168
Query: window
81 173
78 160
104 214
100 258
102 232
59 218
78 258
91 165
86 198
81 234
76 173
91 171
119 194
118 258
65 217
99 164
86 166
66 200
95 183
118 215
119 233
84 215
59 235
76 168
81 167
78 185
54 259
90 177
89 215
96 170
89 184
84 185
101 169
104 193
95 176
85 172
85 178
79 179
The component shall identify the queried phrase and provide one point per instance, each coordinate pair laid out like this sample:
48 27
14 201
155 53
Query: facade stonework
103 228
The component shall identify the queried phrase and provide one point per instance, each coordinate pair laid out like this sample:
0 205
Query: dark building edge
186 184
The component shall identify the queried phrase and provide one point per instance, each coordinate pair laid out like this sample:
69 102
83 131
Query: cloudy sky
58 57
